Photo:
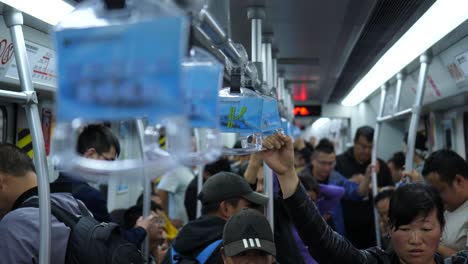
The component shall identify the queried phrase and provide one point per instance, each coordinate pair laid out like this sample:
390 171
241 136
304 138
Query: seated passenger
19 227
222 195
446 171
416 217
382 204
247 238
158 243
99 143
321 168
396 164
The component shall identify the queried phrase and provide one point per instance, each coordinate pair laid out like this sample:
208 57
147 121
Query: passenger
416 216
283 228
326 198
171 190
321 168
446 171
420 150
99 143
19 226
304 152
247 238
222 195
191 193
396 164
169 228
382 204
157 236
358 215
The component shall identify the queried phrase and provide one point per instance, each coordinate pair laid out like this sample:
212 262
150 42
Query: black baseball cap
227 185
248 230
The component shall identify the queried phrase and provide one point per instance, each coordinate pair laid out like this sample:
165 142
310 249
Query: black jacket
327 246
97 205
197 235
358 216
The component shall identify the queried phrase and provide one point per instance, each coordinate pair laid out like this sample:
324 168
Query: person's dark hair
14 161
99 137
365 131
310 184
133 213
324 146
420 143
447 164
220 165
414 200
385 194
213 207
398 159
154 206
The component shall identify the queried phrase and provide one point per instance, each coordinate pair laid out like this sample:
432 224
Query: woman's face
417 242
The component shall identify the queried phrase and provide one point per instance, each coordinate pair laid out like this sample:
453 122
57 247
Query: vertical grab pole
146 185
256 14
268 190
14 21
425 60
383 95
400 77
267 172
267 43
201 169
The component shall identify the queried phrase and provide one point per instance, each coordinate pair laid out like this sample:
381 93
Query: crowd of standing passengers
323 206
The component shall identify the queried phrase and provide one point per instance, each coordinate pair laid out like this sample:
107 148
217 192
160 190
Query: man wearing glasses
322 168
353 164
99 143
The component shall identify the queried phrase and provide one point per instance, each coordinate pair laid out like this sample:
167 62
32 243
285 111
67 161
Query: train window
3 124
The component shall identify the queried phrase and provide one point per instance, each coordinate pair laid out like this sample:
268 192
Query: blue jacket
97 205
351 193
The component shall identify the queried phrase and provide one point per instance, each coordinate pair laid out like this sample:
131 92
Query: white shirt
456 228
175 182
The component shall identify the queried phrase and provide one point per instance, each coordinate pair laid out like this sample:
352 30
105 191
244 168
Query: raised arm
324 245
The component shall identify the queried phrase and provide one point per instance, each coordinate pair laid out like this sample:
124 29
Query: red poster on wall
46 118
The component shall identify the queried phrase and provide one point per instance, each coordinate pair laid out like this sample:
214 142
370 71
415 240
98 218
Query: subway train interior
312 70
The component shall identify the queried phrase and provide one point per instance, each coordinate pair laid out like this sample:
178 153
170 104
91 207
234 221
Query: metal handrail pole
14 21
140 127
201 169
400 78
395 115
383 95
425 60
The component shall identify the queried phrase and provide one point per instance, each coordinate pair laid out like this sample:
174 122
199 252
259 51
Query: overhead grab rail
210 28
415 111
14 21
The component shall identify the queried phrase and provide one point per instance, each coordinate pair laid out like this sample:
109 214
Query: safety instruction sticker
121 71
42 63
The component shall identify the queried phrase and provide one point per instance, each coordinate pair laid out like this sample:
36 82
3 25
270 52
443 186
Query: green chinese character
232 117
